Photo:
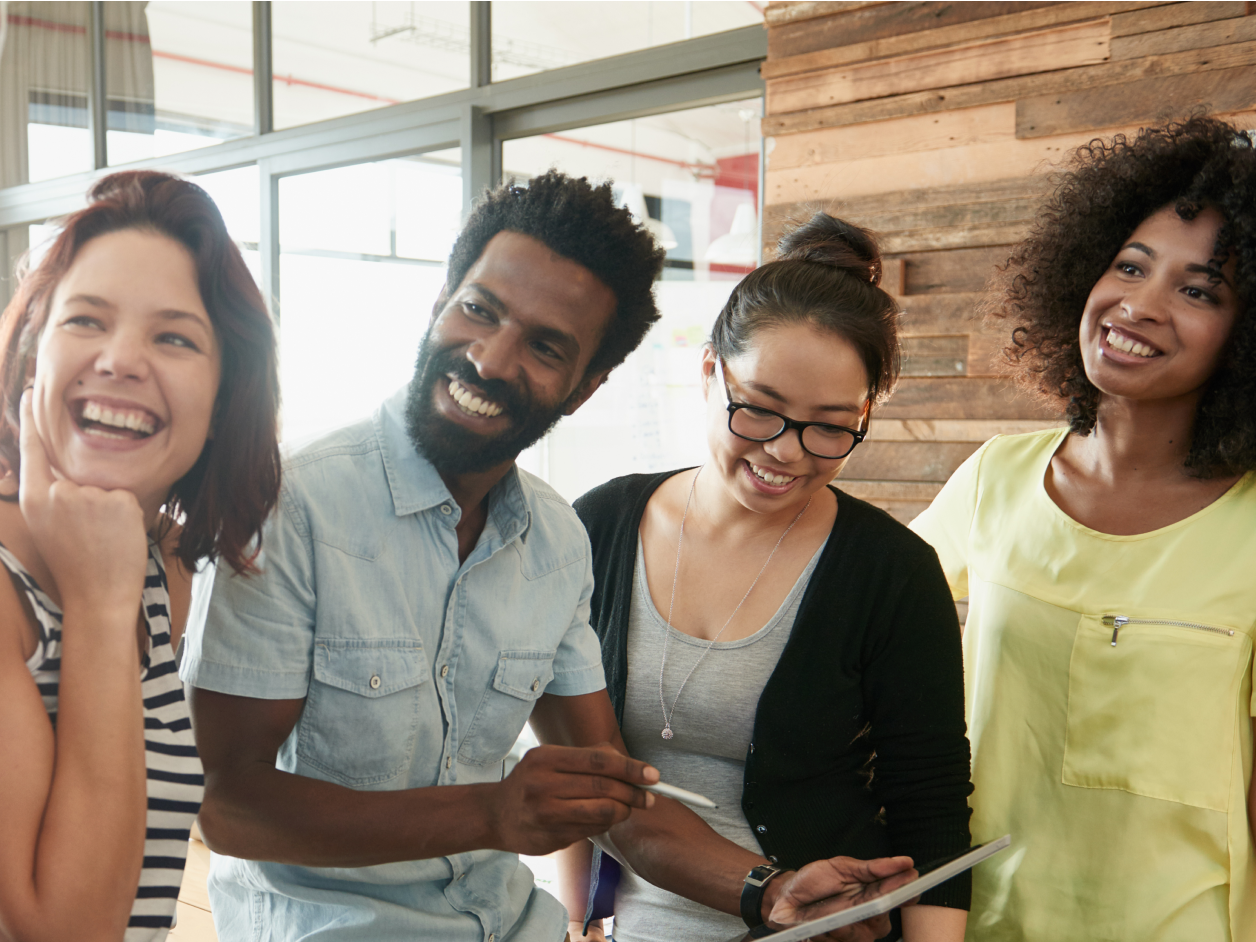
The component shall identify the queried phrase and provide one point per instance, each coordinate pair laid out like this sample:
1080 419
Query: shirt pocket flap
1152 707
370 668
524 674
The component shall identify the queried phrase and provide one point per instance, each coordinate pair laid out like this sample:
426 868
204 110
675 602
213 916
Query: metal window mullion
97 102
268 234
481 14
481 155
263 70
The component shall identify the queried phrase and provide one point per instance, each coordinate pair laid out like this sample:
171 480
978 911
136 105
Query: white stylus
671 791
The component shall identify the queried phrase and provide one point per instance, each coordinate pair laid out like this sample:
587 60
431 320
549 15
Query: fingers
36 473
604 760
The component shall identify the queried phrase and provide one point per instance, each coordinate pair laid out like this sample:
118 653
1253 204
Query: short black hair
1107 191
580 222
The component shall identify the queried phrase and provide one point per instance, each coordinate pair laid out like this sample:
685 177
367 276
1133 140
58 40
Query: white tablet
882 904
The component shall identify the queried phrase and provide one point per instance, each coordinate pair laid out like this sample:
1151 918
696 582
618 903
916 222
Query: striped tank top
175 781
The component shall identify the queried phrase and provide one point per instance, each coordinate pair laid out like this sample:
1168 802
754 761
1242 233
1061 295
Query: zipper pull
1117 622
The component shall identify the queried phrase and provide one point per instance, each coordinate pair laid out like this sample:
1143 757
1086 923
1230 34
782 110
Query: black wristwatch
752 893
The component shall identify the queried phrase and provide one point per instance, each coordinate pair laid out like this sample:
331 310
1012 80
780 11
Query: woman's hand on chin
93 541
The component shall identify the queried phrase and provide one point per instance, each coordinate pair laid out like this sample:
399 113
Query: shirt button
752 748
492 937
461 877
375 681
449 760
762 828
536 684
444 669
446 509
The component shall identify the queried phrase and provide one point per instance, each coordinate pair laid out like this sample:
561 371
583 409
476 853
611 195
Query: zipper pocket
1117 622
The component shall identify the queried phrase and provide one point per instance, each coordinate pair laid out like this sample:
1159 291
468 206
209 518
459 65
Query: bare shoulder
179 580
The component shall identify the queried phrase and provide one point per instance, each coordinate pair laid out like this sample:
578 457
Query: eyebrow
552 335
170 314
91 299
771 393
1212 271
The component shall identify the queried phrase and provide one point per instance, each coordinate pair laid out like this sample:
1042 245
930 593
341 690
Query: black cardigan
859 746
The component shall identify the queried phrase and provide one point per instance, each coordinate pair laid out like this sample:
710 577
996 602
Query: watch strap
752 891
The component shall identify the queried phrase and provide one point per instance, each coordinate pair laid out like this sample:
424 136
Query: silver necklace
667 719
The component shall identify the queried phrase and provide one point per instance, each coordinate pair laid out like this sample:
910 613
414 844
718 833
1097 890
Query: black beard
453 449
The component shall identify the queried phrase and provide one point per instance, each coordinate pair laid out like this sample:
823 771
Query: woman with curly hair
1111 565
138 415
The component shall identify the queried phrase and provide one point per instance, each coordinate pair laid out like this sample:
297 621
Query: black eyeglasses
763 425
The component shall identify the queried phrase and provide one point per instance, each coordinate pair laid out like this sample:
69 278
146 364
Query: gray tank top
712 723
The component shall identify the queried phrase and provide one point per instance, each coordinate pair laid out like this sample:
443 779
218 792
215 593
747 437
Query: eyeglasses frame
858 434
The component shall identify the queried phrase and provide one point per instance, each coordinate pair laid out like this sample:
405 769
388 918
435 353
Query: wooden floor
194 922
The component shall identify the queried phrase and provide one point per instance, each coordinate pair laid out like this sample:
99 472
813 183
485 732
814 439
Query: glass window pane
44 62
531 36
358 281
180 76
338 58
237 193
693 176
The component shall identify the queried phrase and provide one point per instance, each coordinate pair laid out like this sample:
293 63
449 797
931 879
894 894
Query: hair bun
830 241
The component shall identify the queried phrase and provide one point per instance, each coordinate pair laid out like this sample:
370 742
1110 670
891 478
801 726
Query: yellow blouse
1108 682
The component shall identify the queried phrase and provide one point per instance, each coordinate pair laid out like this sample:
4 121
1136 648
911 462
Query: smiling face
127 368
800 372
506 355
1157 321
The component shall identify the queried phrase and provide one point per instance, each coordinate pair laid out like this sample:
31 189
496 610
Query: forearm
90 844
261 813
933 924
673 848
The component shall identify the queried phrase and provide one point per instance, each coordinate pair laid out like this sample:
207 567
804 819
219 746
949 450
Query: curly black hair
580 222
1107 191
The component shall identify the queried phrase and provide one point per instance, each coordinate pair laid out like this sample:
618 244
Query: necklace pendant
667 732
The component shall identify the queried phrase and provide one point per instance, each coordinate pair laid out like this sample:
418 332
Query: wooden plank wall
935 125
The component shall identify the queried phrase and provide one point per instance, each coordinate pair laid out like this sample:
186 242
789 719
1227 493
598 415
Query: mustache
512 399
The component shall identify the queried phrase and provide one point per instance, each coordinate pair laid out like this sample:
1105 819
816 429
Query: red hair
234 484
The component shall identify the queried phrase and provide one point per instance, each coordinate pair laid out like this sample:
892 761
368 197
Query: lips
111 418
1133 346
472 404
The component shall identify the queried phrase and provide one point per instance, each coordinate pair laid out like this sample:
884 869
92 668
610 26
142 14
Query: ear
708 368
588 386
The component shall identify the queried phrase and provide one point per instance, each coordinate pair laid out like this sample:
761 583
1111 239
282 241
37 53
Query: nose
787 448
122 356
494 355
1141 302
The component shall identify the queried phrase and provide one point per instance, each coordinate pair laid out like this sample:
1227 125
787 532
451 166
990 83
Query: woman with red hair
138 402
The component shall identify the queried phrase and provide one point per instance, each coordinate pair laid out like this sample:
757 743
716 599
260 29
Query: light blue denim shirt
416 671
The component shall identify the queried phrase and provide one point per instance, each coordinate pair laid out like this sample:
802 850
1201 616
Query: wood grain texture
951 430
874 491
954 272
984 355
1198 36
923 132
781 12
961 398
995 26
1168 15
933 314
1064 47
908 461
972 164
1147 101
1012 89
935 356
878 22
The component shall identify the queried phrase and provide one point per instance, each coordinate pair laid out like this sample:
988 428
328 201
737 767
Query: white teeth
472 404
1118 341
769 477
135 421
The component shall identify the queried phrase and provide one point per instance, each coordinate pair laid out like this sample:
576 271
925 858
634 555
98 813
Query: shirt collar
416 485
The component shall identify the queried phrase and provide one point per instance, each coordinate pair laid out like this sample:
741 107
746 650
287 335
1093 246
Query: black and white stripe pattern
175 781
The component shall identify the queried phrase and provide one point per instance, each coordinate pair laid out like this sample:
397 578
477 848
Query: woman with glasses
1110 563
772 643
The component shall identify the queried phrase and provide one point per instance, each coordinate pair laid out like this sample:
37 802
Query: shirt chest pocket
1153 706
520 678
361 718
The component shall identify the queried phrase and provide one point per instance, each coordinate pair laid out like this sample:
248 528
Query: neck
1141 439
